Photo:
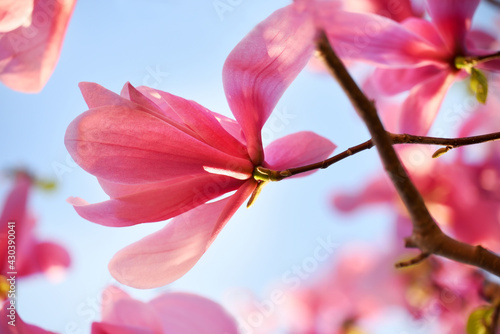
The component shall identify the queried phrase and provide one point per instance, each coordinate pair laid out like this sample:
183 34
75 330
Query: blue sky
178 47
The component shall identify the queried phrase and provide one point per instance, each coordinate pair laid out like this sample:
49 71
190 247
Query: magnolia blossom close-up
423 58
190 155
117 197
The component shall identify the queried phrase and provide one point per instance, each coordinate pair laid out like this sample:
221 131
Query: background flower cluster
181 48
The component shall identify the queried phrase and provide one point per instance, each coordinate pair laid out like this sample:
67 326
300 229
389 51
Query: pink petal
106 328
261 67
480 42
377 40
35 257
155 202
198 118
395 10
184 313
111 295
298 149
387 108
168 254
127 145
137 100
426 30
232 127
13 13
377 191
152 97
209 181
14 210
166 103
395 81
422 105
453 19
115 190
28 55
131 313
131 93
26 243
492 65
97 96
476 121
50 255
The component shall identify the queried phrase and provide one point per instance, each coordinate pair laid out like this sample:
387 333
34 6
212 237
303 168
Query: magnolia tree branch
494 320
448 143
494 2
491 293
427 236
472 61
416 260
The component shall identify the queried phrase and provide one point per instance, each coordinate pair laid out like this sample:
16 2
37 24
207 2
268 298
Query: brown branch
452 142
449 143
416 260
472 61
490 291
266 174
494 320
427 235
494 2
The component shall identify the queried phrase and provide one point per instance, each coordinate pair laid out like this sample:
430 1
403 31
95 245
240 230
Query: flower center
4 287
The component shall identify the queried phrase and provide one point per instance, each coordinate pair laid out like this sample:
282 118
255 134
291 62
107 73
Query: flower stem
494 2
472 61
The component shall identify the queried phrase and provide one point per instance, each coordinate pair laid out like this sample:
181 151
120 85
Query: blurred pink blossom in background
422 63
31 37
32 256
171 312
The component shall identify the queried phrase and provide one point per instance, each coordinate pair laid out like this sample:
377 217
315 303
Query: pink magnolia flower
160 156
169 313
455 292
440 290
359 285
363 284
396 10
8 314
31 255
31 36
462 196
416 56
462 192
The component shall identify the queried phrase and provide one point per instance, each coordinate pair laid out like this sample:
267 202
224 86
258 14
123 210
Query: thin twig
453 142
472 61
494 319
449 143
417 259
490 291
427 235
